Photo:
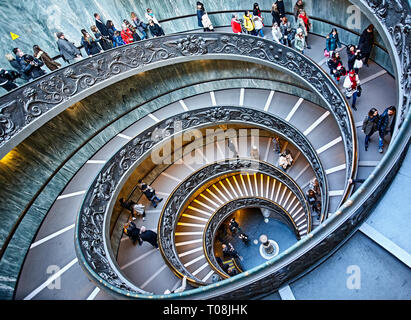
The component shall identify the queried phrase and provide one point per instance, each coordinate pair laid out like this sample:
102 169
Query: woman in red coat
126 34
235 24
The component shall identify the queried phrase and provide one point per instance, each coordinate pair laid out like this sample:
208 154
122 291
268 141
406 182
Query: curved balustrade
179 198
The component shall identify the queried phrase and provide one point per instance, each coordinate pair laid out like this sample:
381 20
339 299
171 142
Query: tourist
386 125
276 32
16 66
126 34
155 29
244 238
179 289
281 8
337 69
286 160
317 209
200 12
370 125
117 39
149 236
297 8
103 28
254 154
235 24
133 30
275 13
276 145
150 16
234 226
299 41
43 56
311 198
305 24
256 10
232 147
315 186
352 87
111 29
150 193
354 58
104 41
68 50
131 230
140 25
32 67
366 42
207 25
286 32
7 78
229 251
258 25
249 23
134 208
332 41
89 43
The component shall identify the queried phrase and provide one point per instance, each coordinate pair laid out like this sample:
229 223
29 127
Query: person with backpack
352 87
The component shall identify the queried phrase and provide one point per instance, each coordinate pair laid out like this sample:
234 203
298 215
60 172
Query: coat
281 7
236 26
348 86
297 9
140 25
104 42
299 43
277 35
248 23
103 28
370 125
276 16
151 17
383 124
67 49
206 21
118 41
199 18
32 71
150 237
92 47
6 79
332 42
127 36
156 30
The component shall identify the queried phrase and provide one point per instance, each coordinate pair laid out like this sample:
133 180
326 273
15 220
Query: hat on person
59 34
352 71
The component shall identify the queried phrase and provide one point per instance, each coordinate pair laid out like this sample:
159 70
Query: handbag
326 53
358 64
359 89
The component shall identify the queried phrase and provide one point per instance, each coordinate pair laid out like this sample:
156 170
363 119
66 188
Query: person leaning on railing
43 56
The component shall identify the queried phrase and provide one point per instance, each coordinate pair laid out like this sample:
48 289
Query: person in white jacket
208 26
150 16
276 32
258 23
352 87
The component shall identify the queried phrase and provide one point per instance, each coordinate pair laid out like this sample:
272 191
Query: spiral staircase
311 119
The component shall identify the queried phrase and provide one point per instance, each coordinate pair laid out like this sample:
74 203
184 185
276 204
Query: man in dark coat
297 7
133 233
386 125
102 27
366 42
67 49
155 29
32 66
